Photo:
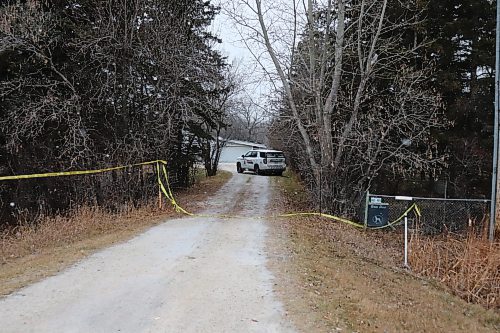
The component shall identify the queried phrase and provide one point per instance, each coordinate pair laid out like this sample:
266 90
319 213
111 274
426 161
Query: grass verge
468 264
334 278
28 254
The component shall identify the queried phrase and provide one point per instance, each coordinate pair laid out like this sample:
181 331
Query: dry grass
29 253
469 265
57 231
333 277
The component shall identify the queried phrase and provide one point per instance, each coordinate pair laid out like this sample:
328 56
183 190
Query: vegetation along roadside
333 277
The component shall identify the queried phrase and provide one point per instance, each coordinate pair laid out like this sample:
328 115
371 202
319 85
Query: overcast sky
231 46
238 55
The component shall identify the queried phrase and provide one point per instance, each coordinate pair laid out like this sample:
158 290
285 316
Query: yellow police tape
167 191
74 173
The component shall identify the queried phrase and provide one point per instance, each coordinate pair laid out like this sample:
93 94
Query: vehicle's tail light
265 161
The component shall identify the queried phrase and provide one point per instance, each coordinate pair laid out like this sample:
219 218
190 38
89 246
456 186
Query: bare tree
331 61
96 83
248 120
218 120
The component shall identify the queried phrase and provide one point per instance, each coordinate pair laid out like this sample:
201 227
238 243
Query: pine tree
463 35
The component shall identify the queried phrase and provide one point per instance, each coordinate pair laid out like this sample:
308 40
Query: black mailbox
378 214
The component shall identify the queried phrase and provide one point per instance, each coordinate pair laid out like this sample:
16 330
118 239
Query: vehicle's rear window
275 155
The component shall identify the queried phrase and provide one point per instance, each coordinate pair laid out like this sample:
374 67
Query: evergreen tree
463 35
99 83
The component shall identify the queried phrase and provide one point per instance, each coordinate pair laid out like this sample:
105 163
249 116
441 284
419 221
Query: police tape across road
165 188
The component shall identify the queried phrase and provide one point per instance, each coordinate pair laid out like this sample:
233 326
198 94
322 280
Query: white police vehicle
262 161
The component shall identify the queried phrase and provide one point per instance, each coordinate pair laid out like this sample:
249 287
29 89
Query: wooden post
159 188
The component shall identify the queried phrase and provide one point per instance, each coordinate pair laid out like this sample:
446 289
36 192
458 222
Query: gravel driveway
186 275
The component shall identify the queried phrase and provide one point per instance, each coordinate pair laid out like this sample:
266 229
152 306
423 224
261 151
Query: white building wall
229 154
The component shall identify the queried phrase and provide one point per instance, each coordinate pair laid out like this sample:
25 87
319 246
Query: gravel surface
186 275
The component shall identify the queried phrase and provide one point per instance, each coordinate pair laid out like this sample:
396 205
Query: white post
405 198
406 241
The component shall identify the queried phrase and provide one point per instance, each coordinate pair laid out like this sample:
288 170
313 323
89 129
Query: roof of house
269 150
244 143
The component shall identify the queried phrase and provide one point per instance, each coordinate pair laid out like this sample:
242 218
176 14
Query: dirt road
186 275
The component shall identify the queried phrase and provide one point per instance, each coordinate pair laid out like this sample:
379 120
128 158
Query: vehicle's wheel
256 169
238 168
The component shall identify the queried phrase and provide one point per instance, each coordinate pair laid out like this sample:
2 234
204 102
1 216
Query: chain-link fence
437 214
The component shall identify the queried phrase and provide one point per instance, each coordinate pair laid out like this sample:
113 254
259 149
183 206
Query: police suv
262 161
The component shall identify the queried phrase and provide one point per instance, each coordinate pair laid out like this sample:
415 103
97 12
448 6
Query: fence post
321 190
408 206
159 188
406 241
366 208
